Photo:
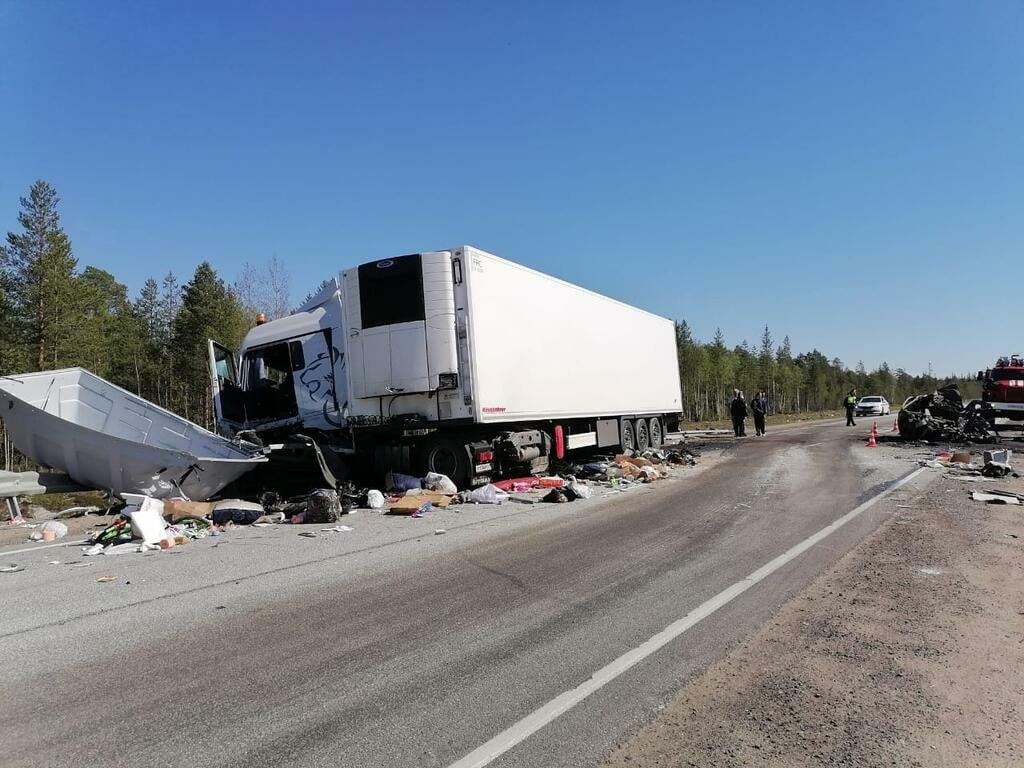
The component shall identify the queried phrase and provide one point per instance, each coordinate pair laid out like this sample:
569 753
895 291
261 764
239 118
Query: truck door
228 397
315 359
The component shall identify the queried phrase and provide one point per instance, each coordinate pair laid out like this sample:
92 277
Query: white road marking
38 547
561 704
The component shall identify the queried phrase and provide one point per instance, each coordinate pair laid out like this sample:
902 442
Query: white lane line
38 547
537 719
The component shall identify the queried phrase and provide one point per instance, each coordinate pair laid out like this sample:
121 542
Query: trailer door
228 397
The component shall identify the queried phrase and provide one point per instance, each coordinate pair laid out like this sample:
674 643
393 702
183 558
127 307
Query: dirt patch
910 652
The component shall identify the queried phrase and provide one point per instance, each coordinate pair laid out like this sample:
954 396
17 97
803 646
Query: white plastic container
148 521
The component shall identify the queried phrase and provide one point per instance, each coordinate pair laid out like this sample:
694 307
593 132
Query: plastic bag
581 491
488 494
148 521
49 531
375 500
395 481
439 483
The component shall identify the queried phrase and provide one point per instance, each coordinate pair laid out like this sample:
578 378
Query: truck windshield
269 383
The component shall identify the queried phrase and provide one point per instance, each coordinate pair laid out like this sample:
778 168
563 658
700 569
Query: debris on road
12 568
408 505
51 530
488 494
995 498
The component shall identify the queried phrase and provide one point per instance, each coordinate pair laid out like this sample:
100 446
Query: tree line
54 314
803 383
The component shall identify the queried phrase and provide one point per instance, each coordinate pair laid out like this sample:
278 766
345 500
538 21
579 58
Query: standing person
759 405
738 410
850 402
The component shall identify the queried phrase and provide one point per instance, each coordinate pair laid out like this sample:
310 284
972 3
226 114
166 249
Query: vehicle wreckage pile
942 417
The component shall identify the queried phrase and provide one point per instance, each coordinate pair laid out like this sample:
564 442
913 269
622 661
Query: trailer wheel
628 435
657 433
643 435
448 457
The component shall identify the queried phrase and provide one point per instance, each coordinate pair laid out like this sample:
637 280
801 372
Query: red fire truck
1002 391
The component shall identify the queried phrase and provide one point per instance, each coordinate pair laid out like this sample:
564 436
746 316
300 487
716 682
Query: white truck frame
454 361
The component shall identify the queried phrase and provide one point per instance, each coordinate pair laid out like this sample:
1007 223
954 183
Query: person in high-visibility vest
850 402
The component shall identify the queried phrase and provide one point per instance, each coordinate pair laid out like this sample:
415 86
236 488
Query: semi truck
454 361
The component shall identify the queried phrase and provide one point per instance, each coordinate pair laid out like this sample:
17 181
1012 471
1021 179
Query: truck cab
287 374
1003 388
376 346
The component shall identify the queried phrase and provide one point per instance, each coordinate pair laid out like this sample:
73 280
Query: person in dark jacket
850 402
738 409
759 405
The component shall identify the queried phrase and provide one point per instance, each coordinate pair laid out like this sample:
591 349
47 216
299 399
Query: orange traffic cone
895 425
872 443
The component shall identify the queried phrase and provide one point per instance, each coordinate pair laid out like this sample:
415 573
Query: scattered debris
439 483
488 494
322 506
238 512
440 532
395 481
408 505
51 530
375 500
994 498
997 463
106 579
76 512
12 568
338 529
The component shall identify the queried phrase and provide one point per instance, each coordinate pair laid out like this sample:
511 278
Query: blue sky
848 173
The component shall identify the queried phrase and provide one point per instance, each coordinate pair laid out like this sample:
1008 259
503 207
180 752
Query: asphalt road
393 646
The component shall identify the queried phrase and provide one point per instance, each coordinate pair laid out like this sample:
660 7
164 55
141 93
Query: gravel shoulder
909 652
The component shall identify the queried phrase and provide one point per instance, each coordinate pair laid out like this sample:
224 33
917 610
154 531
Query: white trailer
454 361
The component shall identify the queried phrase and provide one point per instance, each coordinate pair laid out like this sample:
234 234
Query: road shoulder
908 652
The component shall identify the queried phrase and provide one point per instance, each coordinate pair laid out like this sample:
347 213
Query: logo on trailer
494 409
385 264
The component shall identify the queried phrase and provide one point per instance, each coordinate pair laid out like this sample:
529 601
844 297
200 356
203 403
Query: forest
55 313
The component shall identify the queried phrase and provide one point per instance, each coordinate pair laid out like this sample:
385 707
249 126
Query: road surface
393 646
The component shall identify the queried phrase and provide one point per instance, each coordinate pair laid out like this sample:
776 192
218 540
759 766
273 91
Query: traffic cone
895 425
872 443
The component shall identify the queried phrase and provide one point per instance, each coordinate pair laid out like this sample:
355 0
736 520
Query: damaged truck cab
453 361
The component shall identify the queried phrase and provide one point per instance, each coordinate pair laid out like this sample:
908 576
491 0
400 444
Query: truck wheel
448 457
643 435
628 436
657 433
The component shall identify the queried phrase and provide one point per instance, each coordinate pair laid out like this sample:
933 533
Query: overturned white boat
105 437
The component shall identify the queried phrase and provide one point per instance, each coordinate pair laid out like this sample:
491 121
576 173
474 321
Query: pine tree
41 269
209 310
